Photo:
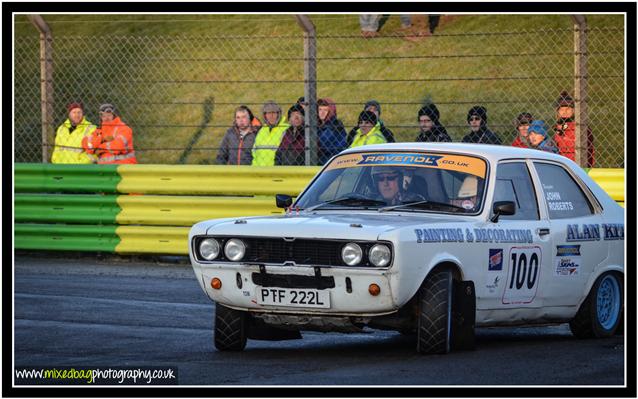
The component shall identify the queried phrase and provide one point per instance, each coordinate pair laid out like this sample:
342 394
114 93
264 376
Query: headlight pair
234 249
379 255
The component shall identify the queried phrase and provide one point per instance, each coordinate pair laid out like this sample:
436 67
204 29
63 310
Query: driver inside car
389 184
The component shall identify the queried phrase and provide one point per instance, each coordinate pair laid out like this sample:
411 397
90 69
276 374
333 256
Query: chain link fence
179 92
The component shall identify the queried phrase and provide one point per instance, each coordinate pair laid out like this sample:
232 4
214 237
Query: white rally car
424 238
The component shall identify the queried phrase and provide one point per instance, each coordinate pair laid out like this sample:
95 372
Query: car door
517 261
575 223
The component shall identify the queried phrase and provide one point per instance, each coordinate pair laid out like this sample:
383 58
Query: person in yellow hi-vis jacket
68 138
270 135
369 131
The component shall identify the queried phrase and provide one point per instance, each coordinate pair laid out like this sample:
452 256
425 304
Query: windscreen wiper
422 204
350 201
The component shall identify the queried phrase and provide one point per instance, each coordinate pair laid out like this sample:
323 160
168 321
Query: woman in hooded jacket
430 129
331 132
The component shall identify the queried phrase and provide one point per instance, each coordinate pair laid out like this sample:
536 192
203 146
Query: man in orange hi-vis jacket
112 142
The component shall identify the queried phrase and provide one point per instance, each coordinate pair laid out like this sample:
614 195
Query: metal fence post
310 86
46 83
580 90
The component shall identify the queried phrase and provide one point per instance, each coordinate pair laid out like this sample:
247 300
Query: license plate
294 297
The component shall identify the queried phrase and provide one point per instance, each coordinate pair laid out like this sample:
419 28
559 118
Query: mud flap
463 315
261 331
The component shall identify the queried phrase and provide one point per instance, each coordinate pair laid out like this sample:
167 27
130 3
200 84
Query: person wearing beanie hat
269 136
565 130
302 101
538 138
430 129
292 149
479 132
373 106
330 130
368 131
69 136
522 122
112 142
236 145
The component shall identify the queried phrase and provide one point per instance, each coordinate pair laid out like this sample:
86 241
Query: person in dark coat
330 130
479 132
373 106
292 149
430 127
237 144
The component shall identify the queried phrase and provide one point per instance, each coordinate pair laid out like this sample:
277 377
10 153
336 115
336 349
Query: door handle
541 231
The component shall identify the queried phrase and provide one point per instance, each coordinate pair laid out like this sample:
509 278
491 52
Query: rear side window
513 183
564 197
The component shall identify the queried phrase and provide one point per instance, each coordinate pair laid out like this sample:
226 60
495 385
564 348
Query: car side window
513 183
564 197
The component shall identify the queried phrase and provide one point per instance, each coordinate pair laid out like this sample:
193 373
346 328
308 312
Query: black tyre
230 329
435 308
601 313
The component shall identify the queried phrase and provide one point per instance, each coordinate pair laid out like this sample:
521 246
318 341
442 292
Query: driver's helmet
467 196
469 187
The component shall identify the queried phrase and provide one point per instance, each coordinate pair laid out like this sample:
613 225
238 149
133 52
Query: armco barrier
87 207
612 181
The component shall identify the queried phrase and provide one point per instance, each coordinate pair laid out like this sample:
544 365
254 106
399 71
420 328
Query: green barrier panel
152 240
60 208
610 180
214 179
160 210
49 178
65 237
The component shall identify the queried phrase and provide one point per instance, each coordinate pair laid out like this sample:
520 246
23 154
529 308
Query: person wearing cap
368 131
69 136
522 122
237 144
479 132
375 107
292 150
330 131
270 135
430 129
538 138
565 130
112 142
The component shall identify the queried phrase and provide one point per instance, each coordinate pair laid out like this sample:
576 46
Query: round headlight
209 248
235 249
380 255
351 254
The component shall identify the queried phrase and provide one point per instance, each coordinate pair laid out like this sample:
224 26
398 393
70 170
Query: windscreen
426 182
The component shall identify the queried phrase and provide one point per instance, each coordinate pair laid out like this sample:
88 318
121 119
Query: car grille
301 251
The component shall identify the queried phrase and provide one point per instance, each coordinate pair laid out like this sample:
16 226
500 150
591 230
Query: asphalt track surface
103 313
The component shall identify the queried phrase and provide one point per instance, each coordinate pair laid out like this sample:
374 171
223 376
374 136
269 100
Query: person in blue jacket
330 130
538 138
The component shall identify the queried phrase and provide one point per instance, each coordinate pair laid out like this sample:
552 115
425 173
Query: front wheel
601 313
230 329
435 310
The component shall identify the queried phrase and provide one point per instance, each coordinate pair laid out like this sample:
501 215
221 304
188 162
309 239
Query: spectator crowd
279 138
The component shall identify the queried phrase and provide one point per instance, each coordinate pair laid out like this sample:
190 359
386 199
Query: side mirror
502 208
283 200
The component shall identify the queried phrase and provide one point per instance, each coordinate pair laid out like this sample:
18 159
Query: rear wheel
230 329
434 317
601 313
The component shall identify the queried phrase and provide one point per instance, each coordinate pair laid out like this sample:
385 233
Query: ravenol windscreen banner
459 163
